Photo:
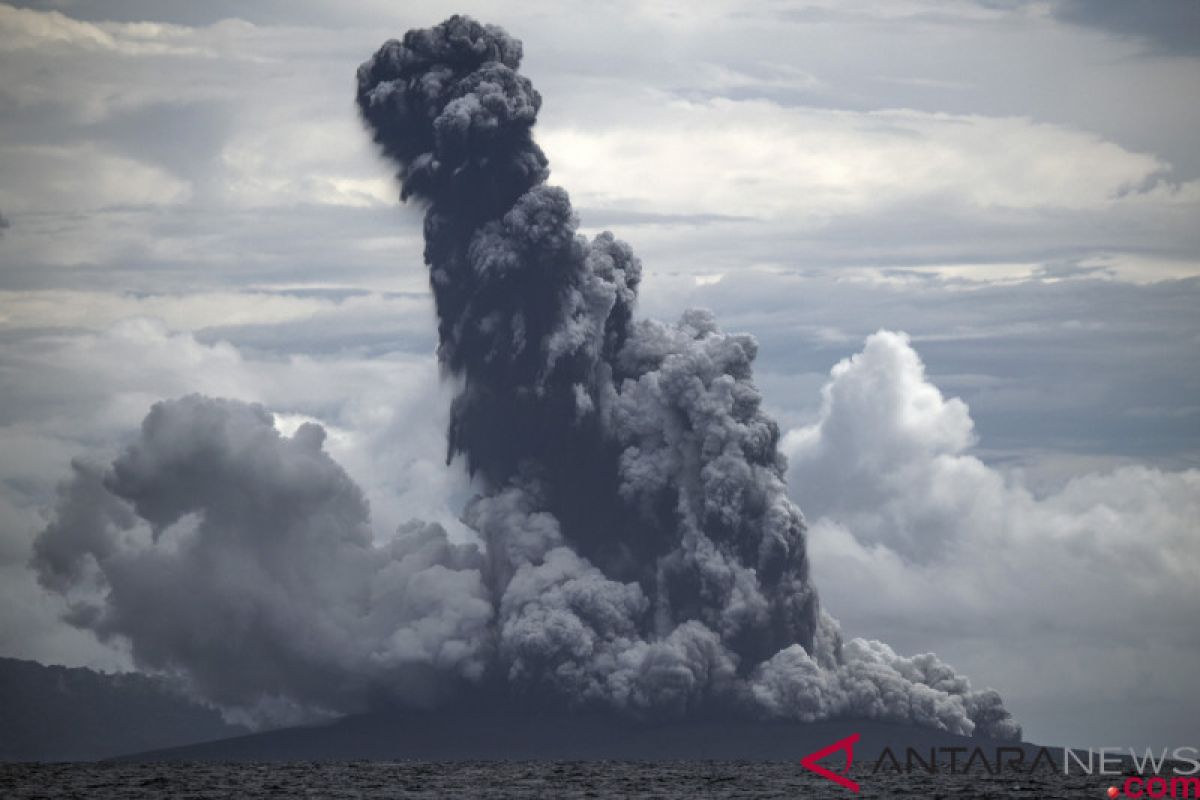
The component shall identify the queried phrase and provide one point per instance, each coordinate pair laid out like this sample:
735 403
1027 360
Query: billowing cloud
243 560
898 503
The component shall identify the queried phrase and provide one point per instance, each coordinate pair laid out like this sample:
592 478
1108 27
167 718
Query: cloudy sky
1007 475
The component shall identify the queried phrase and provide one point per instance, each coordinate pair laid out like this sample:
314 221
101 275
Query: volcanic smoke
637 550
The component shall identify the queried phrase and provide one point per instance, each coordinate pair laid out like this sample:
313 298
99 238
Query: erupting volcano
636 548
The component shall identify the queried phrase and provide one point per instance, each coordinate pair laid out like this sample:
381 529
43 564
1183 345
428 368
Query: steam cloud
637 548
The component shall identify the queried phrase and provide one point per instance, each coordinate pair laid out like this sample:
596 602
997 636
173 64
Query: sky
964 235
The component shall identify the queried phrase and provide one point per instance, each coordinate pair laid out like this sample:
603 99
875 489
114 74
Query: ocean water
615 779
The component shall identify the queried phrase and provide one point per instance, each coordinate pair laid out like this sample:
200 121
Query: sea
367 780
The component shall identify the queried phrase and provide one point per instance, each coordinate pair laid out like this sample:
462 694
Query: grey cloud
148 10
1039 344
73 392
165 245
604 216
183 137
272 246
1167 27
937 74
874 682
242 560
898 501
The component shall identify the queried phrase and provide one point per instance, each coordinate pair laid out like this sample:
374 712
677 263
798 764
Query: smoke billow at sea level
637 550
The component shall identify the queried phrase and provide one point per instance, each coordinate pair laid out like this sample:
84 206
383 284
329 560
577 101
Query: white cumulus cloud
910 530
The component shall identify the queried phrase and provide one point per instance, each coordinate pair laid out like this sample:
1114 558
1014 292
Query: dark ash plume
646 442
641 447
637 547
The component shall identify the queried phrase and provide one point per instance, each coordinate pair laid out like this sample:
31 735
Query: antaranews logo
1183 763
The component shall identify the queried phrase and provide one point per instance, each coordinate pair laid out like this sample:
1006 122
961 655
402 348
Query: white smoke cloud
945 542
243 560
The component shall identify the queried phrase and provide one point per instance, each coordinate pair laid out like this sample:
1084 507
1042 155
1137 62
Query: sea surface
542 779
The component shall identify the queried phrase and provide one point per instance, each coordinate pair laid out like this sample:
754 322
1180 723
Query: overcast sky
188 204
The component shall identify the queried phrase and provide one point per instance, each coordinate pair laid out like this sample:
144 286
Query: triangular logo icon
847 744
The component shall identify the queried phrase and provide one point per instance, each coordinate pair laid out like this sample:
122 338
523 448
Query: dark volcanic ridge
465 735
51 713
